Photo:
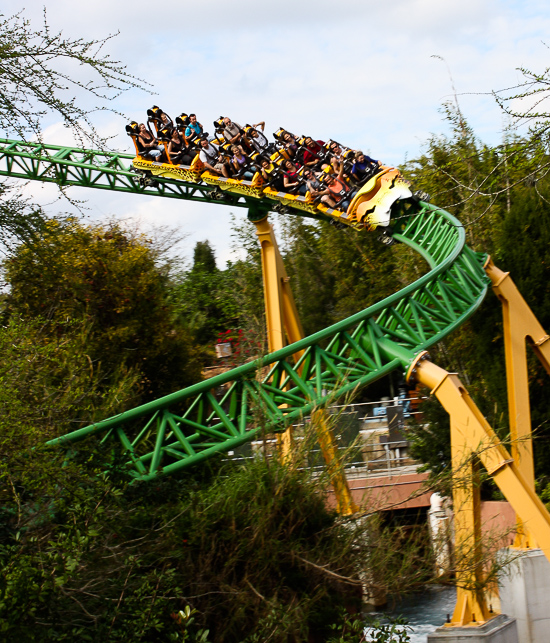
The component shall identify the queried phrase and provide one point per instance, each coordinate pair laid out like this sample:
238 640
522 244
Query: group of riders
325 172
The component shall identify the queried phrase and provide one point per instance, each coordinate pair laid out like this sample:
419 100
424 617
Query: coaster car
370 207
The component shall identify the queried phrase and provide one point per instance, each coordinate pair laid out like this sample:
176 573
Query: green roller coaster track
271 393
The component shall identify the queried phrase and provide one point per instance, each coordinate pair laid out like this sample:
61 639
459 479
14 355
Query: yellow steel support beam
471 436
520 326
280 309
344 502
281 314
471 605
283 322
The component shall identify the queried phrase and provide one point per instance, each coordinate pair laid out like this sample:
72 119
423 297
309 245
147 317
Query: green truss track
95 169
271 393
113 171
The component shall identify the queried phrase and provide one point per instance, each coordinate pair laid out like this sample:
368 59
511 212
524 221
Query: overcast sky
372 75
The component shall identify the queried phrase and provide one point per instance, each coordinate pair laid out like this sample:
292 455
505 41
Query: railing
366 450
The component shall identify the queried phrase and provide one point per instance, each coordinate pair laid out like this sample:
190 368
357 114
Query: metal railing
367 451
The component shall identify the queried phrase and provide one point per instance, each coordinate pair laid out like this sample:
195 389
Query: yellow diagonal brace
471 436
520 326
344 501
281 313
283 322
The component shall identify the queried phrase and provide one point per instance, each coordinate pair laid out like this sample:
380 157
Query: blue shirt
361 168
193 128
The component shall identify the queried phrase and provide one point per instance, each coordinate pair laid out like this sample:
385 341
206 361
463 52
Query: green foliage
203 257
356 630
20 220
116 284
185 619
500 194
430 442
90 558
544 493
527 101
204 299
34 86
524 240
246 283
50 385
269 536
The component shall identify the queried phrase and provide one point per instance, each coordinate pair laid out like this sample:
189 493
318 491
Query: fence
370 433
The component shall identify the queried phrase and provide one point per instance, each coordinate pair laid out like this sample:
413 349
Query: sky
371 75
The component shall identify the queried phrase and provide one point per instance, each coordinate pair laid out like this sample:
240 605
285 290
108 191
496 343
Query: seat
133 131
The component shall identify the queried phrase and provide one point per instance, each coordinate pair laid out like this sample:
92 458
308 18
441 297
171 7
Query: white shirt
260 142
209 154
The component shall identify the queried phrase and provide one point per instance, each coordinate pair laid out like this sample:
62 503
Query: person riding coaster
277 176
338 190
159 118
145 142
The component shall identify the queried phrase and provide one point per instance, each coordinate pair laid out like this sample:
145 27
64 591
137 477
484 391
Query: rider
312 153
316 188
292 181
290 143
148 143
178 151
193 128
339 190
165 121
257 138
336 157
240 163
270 173
363 167
211 158
232 131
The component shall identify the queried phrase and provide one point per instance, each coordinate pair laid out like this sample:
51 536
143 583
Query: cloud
359 71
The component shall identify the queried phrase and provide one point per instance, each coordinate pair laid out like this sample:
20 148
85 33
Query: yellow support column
282 322
271 262
281 314
471 605
280 308
520 326
472 436
344 502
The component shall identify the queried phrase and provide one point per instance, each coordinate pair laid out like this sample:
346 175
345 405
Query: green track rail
94 169
113 171
271 393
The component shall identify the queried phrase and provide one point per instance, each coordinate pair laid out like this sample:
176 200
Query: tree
255 554
526 103
205 299
501 195
34 85
117 283
41 73
204 258
524 239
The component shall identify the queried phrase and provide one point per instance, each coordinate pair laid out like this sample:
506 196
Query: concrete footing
501 629
525 595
